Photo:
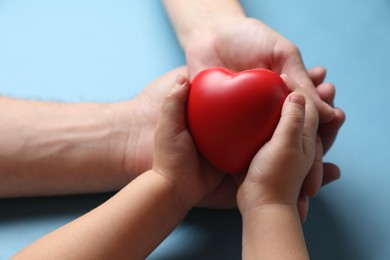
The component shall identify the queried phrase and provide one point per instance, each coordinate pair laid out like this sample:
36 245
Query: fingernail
297 99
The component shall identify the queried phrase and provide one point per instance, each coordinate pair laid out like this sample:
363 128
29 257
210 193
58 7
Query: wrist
273 229
173 191
251 196
208 28
249 202
253 211
127 143
198 17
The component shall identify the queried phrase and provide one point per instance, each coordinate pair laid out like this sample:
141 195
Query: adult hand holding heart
231 115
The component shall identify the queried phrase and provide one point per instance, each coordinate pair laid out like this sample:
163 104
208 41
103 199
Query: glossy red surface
231 115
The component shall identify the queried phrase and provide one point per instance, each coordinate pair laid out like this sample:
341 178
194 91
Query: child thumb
291 124
173 108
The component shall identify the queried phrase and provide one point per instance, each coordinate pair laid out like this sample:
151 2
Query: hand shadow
329 236
215 234
23 220
204 234
26 209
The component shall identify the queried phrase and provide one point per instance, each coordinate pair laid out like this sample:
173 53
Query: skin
218 34
58 148
133 222
102 147
267 196
83 153
104 153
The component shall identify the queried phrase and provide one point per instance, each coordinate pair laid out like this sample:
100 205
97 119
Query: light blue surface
108 51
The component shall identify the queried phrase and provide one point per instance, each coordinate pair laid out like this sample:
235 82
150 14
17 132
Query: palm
251 44
240 46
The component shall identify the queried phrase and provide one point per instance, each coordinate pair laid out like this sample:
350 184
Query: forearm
128 226
60 148
273 232
189 16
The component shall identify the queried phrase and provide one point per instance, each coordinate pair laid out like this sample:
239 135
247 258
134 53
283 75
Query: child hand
175 154
278 170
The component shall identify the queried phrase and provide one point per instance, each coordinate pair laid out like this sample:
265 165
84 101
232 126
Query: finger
331 173
328 131
290 128
172 118
311 117
298 73
312 183
317 75
327 92
291 84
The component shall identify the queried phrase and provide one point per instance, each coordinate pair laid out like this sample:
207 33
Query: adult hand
218 33
245 43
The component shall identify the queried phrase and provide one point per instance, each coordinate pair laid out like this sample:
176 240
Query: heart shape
232 115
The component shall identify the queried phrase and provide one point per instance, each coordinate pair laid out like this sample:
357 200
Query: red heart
231 115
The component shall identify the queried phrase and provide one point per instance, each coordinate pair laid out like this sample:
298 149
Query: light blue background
109 50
